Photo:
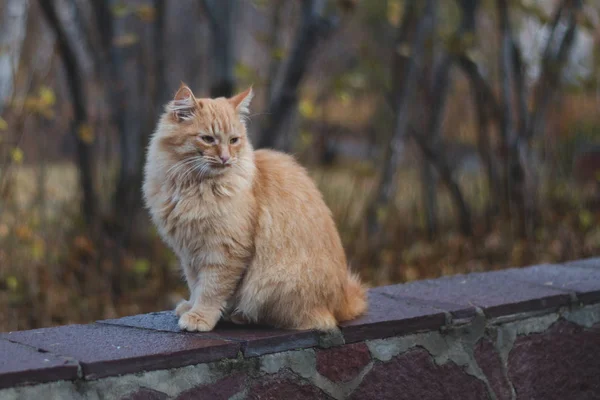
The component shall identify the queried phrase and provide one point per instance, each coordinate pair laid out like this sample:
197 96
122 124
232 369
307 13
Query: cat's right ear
183 106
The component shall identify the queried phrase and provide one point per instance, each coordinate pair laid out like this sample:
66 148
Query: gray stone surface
255 340
497 293
104 350
388 316
25 365
585 263
583 281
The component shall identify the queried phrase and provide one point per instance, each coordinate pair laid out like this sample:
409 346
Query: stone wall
527 333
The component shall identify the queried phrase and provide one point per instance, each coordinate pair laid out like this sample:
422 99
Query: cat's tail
354 301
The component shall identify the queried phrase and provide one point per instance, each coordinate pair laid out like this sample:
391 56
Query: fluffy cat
256 242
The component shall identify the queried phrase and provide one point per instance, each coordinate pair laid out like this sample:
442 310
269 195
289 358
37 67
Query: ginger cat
254 237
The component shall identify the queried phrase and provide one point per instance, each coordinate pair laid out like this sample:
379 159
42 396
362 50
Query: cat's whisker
190 171
175 169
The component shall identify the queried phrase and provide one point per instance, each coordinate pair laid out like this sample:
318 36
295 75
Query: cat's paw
183 307
193 321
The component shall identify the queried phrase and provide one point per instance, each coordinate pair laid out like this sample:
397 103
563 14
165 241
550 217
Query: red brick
342 364
414 375
283 387
561 363
220 390
489 361
145 394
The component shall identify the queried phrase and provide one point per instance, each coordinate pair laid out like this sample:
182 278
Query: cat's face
207 137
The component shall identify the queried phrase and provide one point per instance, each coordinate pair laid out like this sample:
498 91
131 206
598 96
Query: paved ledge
560 300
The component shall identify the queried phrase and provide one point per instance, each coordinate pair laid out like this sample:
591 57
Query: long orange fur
255 240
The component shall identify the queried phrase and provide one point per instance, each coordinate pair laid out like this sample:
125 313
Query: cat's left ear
183 105
241 101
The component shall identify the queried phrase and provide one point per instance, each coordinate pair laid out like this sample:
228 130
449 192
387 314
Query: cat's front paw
183 307
193 321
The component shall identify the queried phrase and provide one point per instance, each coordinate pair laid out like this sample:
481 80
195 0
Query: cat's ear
184 105
241 101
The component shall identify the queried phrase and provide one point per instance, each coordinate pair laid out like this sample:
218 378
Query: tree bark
438 94
312 27
487 111
78 98
439 160
220 15
387 186
161 93
274 44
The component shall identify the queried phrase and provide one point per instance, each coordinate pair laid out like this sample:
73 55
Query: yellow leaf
38 249
12 283
381 214
344 97
120 10
307 108
17 155
585 219
141 266
86 133
47 96
278 53
146 13
306 138
126 40
394 11
3 124
244 72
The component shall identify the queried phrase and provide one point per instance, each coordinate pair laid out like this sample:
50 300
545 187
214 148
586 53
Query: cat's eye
234 140
207 138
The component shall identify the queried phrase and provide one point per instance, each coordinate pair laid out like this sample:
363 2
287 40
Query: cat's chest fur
207 220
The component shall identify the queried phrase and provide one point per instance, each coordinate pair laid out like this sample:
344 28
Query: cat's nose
224 158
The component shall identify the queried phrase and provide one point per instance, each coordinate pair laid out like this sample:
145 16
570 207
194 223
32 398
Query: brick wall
527 333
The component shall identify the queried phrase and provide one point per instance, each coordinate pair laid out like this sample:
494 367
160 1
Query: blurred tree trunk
13 29
274 47
520 177
135 91
313 26
552 67
434 101
487 111
162 92
134 76
514 149
432 144
77 92
220 15
378 210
